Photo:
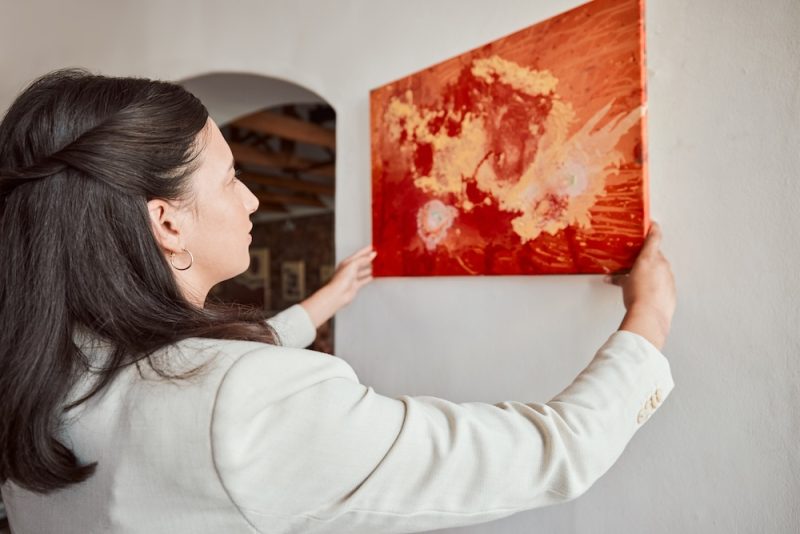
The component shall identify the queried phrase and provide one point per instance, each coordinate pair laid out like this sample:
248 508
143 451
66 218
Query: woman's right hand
648 292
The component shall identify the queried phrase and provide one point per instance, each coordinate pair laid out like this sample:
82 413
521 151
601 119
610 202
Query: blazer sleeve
332 455
294 327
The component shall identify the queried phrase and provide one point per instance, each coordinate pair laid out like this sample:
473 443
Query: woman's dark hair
80 156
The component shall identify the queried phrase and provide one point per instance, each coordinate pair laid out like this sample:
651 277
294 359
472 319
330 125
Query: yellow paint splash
557 189
529 81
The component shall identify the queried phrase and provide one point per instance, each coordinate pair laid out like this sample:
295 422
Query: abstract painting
523 156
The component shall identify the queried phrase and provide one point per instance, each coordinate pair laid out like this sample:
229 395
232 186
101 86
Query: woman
131 404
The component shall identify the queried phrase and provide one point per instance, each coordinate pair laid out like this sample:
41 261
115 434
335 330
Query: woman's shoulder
244 357
284 369
269 373
240 362
209 364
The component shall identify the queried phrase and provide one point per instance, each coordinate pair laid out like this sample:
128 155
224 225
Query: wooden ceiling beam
297 200
287 183
272 206
325 169
250 155
269 123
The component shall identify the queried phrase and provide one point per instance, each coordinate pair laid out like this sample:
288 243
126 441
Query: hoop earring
172 258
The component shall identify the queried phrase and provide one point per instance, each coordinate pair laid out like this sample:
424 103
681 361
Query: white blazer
273 439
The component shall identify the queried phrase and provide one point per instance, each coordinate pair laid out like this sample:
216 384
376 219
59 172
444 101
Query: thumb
653 240
616 279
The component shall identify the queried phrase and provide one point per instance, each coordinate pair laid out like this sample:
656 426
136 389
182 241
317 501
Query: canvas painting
524 156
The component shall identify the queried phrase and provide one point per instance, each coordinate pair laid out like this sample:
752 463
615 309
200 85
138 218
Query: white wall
230 95
721 455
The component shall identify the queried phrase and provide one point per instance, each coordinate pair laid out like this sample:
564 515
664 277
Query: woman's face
216 228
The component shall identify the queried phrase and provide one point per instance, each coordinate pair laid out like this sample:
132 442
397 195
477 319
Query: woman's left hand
353 273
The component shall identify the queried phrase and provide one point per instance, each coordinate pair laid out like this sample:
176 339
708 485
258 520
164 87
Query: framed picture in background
293 280
252 287
257 276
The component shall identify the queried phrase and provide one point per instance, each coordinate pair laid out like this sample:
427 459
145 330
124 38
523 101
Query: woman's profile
130 402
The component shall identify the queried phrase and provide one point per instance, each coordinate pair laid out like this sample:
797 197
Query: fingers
364 271
361 282
651 244
363 263
366 252
366 257
616 279
363 251
650 250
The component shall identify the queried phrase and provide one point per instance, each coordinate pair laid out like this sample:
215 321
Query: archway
283 141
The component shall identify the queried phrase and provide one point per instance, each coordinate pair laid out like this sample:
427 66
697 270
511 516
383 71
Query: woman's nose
251 202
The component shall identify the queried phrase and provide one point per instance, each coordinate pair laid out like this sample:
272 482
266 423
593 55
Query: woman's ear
165 220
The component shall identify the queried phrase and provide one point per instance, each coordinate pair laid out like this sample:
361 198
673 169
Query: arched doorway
283 140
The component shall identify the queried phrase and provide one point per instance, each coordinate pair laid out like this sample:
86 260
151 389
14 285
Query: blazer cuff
657 382
294 327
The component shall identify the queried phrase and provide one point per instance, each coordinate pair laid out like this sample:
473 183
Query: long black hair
80 156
